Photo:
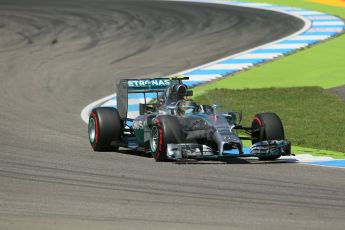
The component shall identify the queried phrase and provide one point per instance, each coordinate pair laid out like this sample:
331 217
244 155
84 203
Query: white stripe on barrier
307 13
205 77
228 66
288 46
319 17
263 56
327 23
336 30
110 103
311 37
250 4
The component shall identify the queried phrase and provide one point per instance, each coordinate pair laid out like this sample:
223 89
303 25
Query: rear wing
142 86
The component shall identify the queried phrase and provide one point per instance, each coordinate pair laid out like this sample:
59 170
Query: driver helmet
186 107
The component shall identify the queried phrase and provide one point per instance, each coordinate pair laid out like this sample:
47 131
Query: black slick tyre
267 126
165 130
105 126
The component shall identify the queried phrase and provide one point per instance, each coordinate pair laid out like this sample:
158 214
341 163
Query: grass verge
312 118
322 65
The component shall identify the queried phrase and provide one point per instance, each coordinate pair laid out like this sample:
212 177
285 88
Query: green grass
322 65
311 117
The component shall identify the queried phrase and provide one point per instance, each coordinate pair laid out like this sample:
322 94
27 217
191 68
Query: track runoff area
318 27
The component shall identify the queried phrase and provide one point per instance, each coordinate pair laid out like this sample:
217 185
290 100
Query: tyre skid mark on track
15 168
244 195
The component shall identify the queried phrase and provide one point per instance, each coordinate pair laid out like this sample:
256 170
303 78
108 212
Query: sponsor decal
138 124
148 83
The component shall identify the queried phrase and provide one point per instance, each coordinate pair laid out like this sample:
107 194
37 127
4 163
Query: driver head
186 107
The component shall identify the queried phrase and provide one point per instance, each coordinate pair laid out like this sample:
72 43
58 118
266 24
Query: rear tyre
105 126
165 130
267 126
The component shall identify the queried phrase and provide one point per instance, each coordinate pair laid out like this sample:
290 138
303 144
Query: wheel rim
92 130
154 138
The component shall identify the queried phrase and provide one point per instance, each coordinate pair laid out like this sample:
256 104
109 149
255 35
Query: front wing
203 152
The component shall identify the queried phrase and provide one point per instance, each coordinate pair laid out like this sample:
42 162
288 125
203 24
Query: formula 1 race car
172 127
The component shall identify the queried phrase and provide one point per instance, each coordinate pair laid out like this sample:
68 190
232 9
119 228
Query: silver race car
172 127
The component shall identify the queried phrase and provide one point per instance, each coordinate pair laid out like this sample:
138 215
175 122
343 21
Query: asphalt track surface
58 56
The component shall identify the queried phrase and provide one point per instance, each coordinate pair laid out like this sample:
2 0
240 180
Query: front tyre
267 126
165 130
104 127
